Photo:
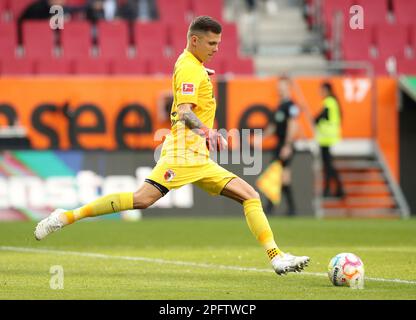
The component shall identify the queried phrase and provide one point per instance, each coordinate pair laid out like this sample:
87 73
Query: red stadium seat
76 39
177 38
173 12
150 39
92 66
239 66
216 64
356 43
162 66
53 66
126 66
404 11
17 7
212 8
406 66
15 66
8 39
379 66
330 8
391 40
229 40
228 47
113 39
75 2
3 9
375 12
412 34
38 39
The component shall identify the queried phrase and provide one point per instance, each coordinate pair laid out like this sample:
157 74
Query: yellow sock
259 226
107 204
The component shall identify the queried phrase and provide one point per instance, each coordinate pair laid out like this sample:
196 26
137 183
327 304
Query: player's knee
141 202
252 194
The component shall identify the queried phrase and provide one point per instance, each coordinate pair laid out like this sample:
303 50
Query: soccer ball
346 269
131 215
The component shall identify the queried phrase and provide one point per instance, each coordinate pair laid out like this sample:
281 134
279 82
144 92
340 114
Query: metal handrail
394 187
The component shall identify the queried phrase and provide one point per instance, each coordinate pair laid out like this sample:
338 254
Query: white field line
173 262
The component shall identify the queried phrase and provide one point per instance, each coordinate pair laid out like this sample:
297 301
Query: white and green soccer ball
346 269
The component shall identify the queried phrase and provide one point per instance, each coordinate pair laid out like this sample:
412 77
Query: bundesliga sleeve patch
188 88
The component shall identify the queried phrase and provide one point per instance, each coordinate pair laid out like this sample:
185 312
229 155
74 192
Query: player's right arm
190 119
215 141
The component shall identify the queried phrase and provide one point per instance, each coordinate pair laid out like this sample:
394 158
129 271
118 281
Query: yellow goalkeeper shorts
208 176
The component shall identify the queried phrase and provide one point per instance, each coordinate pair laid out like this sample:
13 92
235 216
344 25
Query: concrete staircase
280 40
369 193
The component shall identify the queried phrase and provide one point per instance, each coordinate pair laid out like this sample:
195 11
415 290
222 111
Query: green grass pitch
203 258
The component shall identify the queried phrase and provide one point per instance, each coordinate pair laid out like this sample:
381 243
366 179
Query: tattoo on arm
191 120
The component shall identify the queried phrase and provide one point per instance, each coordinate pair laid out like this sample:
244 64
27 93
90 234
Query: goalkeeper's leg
144 197
241 191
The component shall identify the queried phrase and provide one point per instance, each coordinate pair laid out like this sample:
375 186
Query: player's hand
215 141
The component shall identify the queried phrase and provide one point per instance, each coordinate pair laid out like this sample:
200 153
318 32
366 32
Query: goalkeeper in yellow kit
185 154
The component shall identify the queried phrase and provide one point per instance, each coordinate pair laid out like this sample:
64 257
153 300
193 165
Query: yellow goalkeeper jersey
190 84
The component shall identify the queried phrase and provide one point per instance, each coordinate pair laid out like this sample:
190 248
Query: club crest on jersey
169 175
188 88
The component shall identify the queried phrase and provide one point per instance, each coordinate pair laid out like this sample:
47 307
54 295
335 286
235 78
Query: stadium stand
329 10
38 39
375 12
174 12
74 2
412 39
53 66
16 8
391 40
113 39
406 66
8 40
111 47
3 10
211 8
356 44
75 40
129 66
404 11
240 66
150 39
177 38
16 66
92 66
229 40
217 65
161 66
388 33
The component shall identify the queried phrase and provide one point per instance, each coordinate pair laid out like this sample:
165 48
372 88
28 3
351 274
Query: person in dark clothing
40 10
143 10
328 127
285 127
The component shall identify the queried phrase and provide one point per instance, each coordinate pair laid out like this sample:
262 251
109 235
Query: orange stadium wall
124 113
360 119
